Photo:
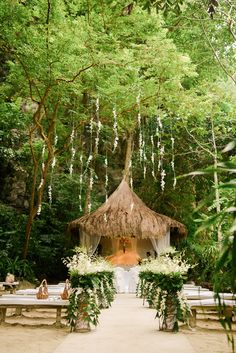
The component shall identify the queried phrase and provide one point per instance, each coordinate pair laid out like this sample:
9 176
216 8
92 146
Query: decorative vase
82 324
169 321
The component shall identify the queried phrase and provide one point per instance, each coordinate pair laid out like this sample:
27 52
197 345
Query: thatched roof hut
125 215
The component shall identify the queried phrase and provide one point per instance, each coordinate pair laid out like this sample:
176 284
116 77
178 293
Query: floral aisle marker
92 289
161 283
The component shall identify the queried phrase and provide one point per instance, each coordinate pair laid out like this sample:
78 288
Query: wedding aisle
127 327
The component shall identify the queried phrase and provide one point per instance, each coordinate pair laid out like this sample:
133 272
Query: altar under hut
124 229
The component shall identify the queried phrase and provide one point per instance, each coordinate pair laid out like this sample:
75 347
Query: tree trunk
128 157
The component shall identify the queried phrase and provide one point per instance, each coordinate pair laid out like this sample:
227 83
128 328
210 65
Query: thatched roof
125 215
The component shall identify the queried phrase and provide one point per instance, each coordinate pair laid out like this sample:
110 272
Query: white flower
39 209
53 162
55 140
81 263
72 135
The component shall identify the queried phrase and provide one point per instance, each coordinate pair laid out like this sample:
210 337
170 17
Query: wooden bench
32 303
226 308
11 286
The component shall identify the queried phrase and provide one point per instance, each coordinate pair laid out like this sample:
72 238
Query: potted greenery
91 289
161 283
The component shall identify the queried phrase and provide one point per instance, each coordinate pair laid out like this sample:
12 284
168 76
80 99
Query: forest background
81 80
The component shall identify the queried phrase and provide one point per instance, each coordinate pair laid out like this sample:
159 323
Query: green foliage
115 52
90 293
21 269
162 292
203 254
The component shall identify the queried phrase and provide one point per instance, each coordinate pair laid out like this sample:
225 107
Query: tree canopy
80 79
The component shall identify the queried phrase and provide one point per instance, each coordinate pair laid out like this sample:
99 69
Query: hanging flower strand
131 175
91 181
42 179
144 160
106 178
89 160
140 130
81 183
115 129
173 161
42 167
158 134
163 173
99 125
52 170
72 136
153 157
161 150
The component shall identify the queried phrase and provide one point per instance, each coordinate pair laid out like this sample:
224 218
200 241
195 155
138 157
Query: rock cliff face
13 188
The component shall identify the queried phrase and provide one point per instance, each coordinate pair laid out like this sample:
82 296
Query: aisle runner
127 327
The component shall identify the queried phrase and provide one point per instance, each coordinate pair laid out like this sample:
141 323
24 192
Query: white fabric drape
160 244
126 280
89 242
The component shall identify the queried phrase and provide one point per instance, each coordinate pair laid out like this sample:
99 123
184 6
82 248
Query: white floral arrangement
92 288
166 265
161 282
81 263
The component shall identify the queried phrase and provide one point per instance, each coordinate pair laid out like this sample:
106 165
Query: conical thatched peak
125 215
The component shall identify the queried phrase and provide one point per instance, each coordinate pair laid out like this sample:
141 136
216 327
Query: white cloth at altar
133 279
126 280
120 280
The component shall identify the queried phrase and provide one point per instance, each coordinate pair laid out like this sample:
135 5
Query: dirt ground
34 332
209 335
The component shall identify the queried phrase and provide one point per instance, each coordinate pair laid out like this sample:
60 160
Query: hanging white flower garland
106 178
161 150
81 183
131 174
72 136
115 129
52 170
153 156
99 126
173 161
140 140
142 150
42 179
91 182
